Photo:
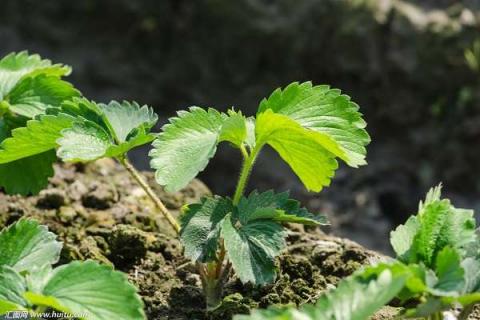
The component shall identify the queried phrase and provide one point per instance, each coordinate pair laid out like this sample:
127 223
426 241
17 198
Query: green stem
435 316
245 173
156 200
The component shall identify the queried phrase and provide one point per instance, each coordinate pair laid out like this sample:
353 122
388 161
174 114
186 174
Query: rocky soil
100 213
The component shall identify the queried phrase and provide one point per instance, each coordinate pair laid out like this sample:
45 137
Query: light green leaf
304 150
441 225
84 141
234 129
471 266
185 146
37 137
402 238
201 223
277 207
12 287
449 272
25 245
252 249
104 130
327 111
356 298
91 289
33 95
28 175
123 118
15 66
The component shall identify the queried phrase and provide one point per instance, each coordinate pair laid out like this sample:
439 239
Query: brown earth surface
100 213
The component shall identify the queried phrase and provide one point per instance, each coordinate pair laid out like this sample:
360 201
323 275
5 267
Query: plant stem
156 200
248 162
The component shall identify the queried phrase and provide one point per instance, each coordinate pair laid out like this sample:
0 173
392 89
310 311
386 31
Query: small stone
67 214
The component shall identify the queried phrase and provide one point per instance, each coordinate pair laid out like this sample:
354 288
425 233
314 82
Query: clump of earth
100 213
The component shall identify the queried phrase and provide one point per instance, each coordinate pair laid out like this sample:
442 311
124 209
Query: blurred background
412 66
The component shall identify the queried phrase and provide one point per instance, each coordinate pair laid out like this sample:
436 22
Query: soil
100 213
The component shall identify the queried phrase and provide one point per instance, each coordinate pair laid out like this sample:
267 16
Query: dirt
100 213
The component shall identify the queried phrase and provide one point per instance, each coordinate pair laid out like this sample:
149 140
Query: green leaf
441 225
38 136
12 287
471 266
124 118
449 272
356 298
252 249
304 150
277 207
402 238
201 223
33 95
185 146
15 66
104 130
26 244
327 111
28 175
84 141
234 129
91 289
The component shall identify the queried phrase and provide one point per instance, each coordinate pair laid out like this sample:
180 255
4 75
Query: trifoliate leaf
277 207
12 288
94 290
123 118
28 175
324 110
234 129
441 225
104 130
449 272
15 66
304 150
185 146
201 223
402 238
38 136
84 141
252 249
33 95
25 245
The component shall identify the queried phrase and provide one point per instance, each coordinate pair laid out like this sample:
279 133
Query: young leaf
104 130
15 66
306 151
471 266
84 141
201 223
33 95
402 238
26 244
12 288
87 287
234 129
185 146
327 111
449 272
252 249
277 207
28 175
